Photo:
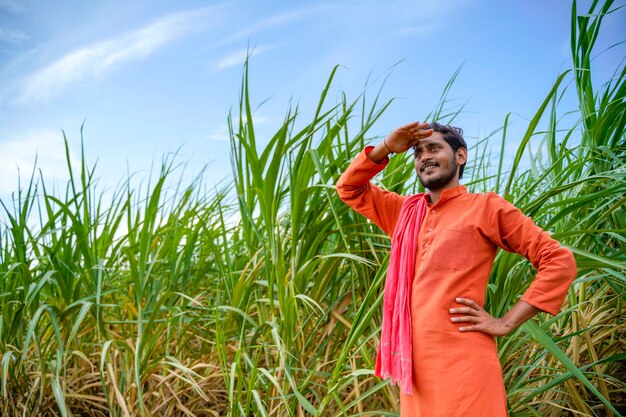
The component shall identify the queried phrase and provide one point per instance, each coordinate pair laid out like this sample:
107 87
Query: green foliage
263 298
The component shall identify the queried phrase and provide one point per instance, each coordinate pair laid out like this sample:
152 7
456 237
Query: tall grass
266 301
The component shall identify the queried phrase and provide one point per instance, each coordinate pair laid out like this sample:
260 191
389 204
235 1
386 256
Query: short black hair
453 136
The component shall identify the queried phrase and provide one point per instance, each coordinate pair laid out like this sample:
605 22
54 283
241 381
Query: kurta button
425 245
434 211
430 229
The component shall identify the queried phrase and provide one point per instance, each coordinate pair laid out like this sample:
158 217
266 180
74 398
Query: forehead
435 138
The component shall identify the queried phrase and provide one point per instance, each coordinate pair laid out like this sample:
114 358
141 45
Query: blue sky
153 77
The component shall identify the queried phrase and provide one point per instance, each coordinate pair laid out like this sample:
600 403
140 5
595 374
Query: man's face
435 162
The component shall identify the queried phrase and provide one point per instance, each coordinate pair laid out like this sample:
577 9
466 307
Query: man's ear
461 156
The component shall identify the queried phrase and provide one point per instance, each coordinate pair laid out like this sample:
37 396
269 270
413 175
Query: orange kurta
458 373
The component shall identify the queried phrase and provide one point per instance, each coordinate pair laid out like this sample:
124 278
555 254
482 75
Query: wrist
508 324
378 153
517 315
387 147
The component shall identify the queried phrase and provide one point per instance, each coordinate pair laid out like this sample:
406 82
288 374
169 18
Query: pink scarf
395 354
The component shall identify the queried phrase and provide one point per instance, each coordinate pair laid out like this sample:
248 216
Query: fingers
422 133
420 129
465 310
473 308
473 314
406 137
417 135
475 328
412 125
417 129
477 317
468 302
465 319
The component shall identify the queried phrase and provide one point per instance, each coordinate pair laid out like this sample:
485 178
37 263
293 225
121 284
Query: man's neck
435 195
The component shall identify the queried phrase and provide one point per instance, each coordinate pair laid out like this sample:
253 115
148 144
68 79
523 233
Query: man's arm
486 323
355 189
556 269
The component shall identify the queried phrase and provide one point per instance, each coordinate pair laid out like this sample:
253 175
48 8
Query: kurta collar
447 194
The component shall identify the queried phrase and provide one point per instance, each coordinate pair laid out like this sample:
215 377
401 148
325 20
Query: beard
440 181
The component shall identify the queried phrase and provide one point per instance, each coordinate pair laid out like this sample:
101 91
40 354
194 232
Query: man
452 357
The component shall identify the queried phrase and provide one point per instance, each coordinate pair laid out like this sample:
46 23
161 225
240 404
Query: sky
152 78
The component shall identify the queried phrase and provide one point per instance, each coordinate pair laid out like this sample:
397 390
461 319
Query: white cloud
11 36
19 152
221 132
269 23
428 8
97 59
423 17
237 58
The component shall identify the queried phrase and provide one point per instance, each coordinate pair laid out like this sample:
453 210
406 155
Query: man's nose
425 157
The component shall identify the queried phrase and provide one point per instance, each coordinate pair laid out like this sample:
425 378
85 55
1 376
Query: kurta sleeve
355 189
510 229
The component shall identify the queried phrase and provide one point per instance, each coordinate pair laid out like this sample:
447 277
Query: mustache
427 164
